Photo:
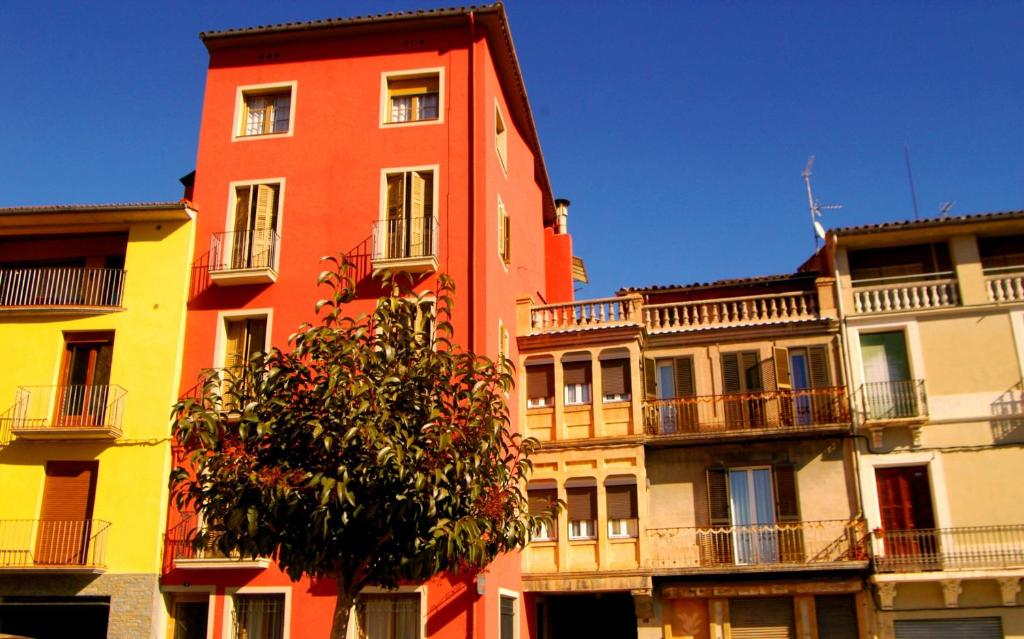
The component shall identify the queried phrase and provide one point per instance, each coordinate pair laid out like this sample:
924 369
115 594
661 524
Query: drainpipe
471 223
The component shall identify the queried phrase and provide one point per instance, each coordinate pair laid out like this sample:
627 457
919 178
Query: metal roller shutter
837 616
762 618
980 628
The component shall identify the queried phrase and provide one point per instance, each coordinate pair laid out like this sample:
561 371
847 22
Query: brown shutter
817 363
762 618
752 371
787 505
685 386
576 373
413 86
615 377
540 381
650 376
621 501
582 503
396 195
234 354
718 496
541 499
242 208
731 373
66 514
256 338
783 377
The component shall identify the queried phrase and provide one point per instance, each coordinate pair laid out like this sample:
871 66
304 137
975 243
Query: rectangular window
244 338
622 515
504 235
540 385
252 240
500 138
503 352
266 112
582 507
888 392
85 379
577 383
907 262
259 616
413 98
409 225
392 616
616 380
507 617
540 501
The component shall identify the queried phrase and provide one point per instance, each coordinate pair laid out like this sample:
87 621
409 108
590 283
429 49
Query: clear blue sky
678 129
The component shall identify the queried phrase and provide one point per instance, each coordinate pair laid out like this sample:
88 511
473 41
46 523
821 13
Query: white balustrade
595 313
1005 287
895 294
732 312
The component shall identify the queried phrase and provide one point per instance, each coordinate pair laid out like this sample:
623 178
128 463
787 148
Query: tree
367 453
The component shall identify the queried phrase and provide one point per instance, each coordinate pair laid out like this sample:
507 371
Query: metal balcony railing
896 399
241 250
180 541
596 313
967 548
763 411
67 406
808 543
405 238
732 312
42 543
905 293
61 287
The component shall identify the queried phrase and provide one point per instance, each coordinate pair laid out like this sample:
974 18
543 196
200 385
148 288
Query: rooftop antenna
946 207
815 206
910 178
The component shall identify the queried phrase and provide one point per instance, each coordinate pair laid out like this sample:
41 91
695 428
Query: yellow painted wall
131 489
953 347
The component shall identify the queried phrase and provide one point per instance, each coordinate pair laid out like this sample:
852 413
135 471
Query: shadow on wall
1008 415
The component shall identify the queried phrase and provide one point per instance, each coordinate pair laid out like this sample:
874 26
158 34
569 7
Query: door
742 384
800 376
81 398
752 505
190 617
666 392
65 521
395 231
908 521
888 392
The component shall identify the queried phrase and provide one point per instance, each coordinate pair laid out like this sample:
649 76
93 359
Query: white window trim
229 217
591 526
517 616
221 339
229 606
401 590
631 525
912 338
539 402
502 156
169 592
435 169
385 106
269 87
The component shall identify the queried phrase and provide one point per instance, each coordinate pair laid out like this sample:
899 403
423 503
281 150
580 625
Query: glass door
755 536
667 392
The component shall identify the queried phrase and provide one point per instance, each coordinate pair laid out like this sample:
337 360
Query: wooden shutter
396 196
787 503
650 378
576 373
752 371
783 376
417 219
540 381
242 195
836 616
718 496
731 373
234 355
505 235
541 499
621 501
263 223
239 238
413 86
818 369
65 518
685 386
582 503
256 337
615 377
762 618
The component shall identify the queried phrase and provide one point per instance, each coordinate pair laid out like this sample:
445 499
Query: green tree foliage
367 453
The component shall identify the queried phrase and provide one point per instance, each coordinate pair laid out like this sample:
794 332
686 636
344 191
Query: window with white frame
413 98
616 380
540 384
577 382
541 501
507 622
265 111
390 616
504 235
258 616
581 504
500 138
621 504
409 225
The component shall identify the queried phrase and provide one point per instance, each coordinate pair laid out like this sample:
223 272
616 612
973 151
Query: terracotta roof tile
934 221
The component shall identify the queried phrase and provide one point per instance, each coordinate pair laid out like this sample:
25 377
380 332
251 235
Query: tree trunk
342 610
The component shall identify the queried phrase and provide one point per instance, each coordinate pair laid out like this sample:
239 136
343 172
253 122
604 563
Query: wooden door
81 398
65 522
905 502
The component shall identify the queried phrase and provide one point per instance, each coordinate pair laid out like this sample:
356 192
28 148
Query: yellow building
933 315
92 310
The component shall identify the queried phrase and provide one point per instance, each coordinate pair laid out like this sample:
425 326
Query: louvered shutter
818 369
240 236
234 354
66 513
762 618
979 628
650 379
752 371
731 373
735 408
256 338
787 512
718 496
685 386
582 503
263 223
396 196
836 616
418 217
615 376
621 501
540 381
541 499
783 377
716 544
576 373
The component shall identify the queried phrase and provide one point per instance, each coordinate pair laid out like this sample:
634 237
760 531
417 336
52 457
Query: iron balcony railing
405 238
61 287
67 406
966 548
44 543
241 250
180 541
905 293
757 412
808 543
895 399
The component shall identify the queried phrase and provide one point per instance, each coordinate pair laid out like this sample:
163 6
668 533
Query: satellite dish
819 229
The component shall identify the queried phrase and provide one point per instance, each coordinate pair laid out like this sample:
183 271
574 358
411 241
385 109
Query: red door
908 521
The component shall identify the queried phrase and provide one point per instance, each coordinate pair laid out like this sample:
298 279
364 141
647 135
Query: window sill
577 408
262 136
621 540
398 125
544 542
617 402
582 541
540 410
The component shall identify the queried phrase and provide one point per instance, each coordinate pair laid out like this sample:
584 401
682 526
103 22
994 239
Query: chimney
561 216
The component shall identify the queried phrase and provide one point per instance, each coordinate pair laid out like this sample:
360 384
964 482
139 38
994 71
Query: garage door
767 618
982 628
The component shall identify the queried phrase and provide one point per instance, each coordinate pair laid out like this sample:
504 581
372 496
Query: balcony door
410 213
81 397
752 504
888 392
743 385
252 240
676 382
908 520
65 521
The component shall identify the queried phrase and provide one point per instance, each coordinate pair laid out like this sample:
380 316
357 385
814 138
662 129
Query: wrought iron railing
800 543
905 293
732 312
241 250
44 543
596 313
67 406
763 411
896 399
61 287
180 541
405 238
965 548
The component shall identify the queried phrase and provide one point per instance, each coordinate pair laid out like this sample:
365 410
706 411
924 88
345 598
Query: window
540 385
500 138
409 224
741 378
582 507
266 111
800 371
85 379
622 516
503 353
504 235
674 386
391 616
1005 253
615 380
258 616
244 338
900 262
577 383
744 506
540 501
507 616
888 392
425 321
413 98
252 240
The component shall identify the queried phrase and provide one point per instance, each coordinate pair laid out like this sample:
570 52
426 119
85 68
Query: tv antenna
946 207
815 206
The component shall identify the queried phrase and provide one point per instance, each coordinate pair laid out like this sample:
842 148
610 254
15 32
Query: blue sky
678 129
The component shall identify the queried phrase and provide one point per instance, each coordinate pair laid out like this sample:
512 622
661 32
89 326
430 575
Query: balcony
1004 284
244 257
732 312
406 244
967 548
77 290
181 552
894 400
739 416
33 545
809 545
606 312
66 412
905 293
